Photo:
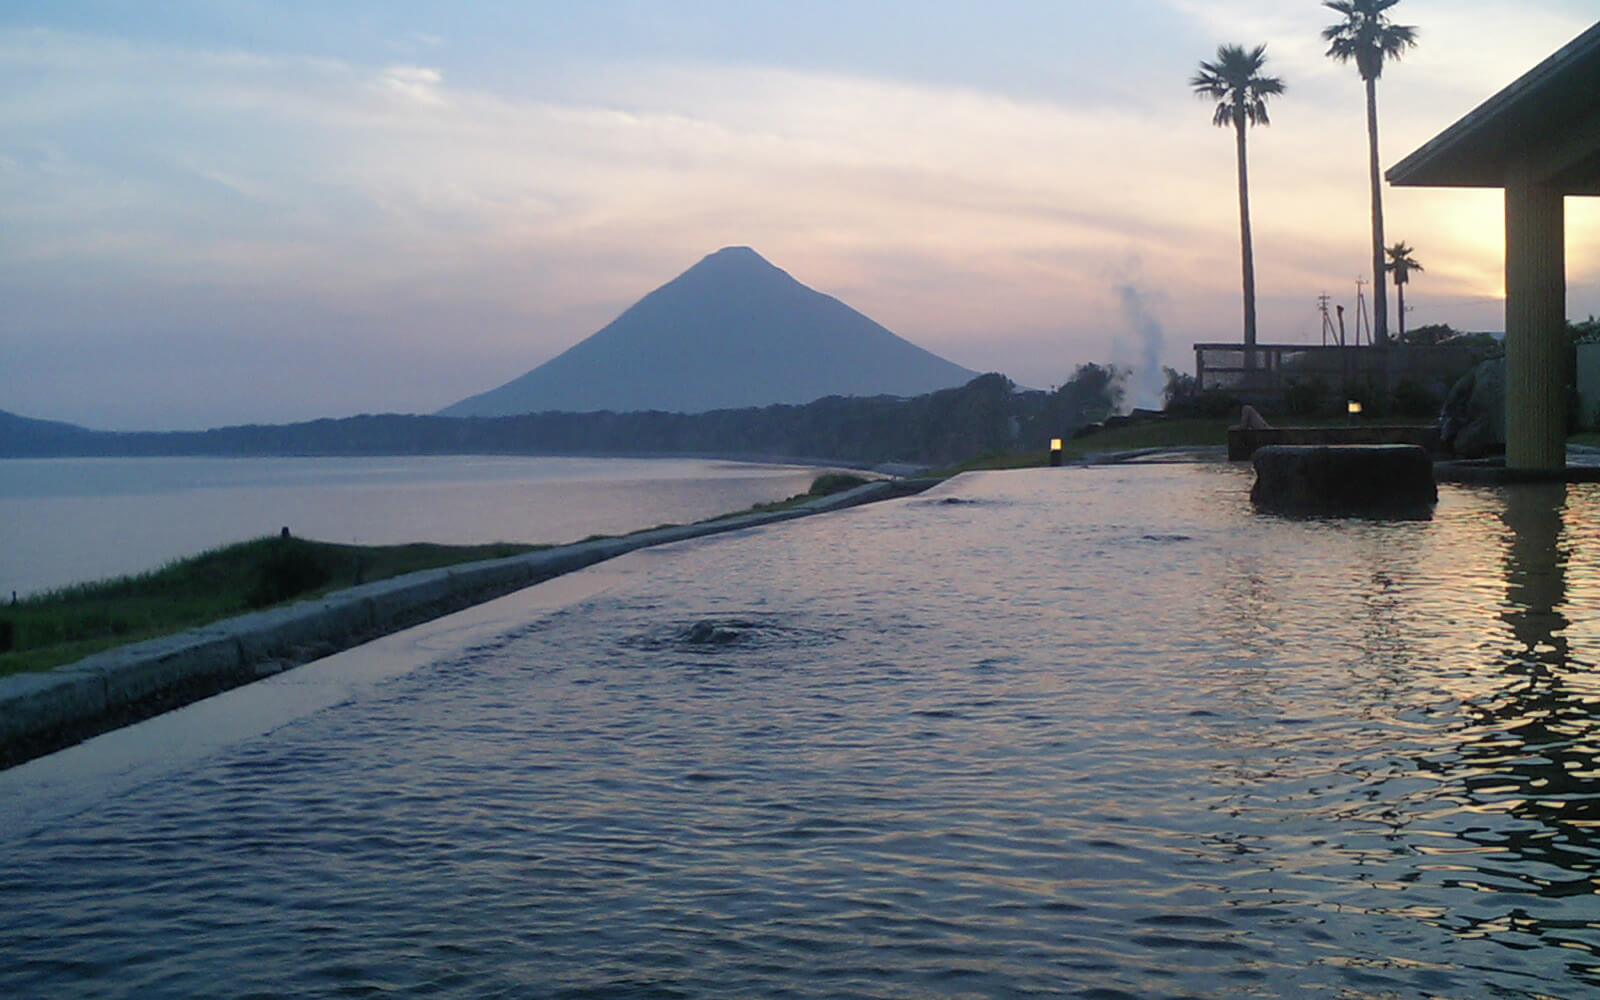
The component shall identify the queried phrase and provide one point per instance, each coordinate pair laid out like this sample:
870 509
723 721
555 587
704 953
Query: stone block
407 599
32 706
1364 480
204 659
336 622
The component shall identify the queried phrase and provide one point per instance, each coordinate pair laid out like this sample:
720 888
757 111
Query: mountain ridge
731 332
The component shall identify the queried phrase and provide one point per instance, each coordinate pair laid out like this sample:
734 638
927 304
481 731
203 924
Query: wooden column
1536 313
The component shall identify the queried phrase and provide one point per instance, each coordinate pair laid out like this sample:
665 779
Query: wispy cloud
419 83
404 188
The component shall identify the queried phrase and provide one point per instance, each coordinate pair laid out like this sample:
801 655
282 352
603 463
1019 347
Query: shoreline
44 712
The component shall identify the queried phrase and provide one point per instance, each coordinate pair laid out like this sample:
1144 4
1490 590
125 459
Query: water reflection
1104 734
1526 768
1536 577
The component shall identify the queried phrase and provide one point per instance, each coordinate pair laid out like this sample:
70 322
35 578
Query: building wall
1589 386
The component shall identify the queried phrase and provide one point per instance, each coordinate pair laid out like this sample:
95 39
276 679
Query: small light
1055 444
1354 406
1055 452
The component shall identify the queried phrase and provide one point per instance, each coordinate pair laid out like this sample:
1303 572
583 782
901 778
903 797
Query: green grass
824 485
61 626
65 625
1162 434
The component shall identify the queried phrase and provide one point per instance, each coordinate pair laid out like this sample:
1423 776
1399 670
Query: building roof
1549 117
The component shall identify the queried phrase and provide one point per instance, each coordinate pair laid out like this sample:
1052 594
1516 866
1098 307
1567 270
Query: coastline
44 712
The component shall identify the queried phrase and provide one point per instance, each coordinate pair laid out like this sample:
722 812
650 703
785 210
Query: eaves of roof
1548 121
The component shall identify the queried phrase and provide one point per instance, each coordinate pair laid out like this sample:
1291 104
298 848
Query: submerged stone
1365 480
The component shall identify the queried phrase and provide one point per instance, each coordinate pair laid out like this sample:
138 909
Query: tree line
989 415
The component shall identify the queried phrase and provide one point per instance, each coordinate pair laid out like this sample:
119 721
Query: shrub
1413 399
1374 401
1211 403
835 482
1180 389
1304 398
289 569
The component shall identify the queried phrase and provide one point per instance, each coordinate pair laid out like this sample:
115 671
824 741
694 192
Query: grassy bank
61 626
1197 432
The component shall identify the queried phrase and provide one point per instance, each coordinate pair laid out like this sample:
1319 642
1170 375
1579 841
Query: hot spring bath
1099 732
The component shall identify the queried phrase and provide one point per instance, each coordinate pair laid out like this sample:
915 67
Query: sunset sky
247 211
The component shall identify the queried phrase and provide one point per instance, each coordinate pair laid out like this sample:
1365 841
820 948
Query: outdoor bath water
1062 732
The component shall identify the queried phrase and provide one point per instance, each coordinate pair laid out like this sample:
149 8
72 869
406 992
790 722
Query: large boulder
1473 422
1371 480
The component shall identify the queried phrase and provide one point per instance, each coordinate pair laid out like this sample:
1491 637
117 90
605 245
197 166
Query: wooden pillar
1536 313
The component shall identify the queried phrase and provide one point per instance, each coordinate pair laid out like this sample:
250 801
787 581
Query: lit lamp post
1055 451
1354 409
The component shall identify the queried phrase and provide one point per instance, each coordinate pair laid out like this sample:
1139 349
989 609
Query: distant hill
26 436
987 414
733 331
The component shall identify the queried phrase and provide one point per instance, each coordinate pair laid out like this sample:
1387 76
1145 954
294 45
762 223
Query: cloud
976 222
418 83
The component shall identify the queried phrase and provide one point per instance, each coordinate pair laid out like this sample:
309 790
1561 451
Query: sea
1097 732
72 520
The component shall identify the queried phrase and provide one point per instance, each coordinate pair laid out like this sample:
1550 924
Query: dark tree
1367 38
1236 83
1401 264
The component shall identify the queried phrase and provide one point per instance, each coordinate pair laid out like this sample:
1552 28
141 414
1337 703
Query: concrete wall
1589 386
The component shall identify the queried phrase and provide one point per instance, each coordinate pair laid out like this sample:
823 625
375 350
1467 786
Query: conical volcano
732 331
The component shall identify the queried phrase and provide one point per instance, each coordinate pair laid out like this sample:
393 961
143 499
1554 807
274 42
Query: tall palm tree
1402 264
1367 37
1235 82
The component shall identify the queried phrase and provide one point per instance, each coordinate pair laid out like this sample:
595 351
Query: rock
1383 480
1473 422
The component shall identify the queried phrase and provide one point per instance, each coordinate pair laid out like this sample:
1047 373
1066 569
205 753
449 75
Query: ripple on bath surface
1104 733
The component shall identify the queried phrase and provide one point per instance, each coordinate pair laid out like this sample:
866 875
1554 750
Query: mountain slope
732 331
24 436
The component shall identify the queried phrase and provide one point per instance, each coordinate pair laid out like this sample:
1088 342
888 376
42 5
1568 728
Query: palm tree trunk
1246 252
1400 293
1380 286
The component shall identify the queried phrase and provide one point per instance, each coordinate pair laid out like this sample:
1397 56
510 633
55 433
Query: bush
1211 403
290 568
835 482
1413 399
1427 336
1374 401
1180 389
1305 399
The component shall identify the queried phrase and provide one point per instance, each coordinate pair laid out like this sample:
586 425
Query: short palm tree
1236 83
1367 37
1401 264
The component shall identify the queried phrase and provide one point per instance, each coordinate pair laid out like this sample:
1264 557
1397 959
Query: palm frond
1235 82
1366 35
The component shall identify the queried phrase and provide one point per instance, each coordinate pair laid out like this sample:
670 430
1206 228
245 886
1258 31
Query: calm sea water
1101 733
65 521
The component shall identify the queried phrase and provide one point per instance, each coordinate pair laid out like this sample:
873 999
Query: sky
241 211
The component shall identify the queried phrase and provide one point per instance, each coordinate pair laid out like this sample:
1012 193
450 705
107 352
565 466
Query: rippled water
1100 733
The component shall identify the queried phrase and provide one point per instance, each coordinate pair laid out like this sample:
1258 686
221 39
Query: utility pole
1361 313
1328 331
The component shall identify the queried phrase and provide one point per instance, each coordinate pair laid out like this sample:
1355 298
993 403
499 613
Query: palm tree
1235 82
1368 37
1402 264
